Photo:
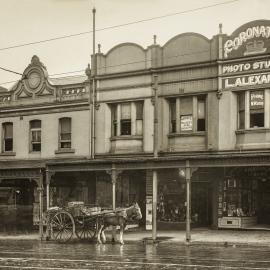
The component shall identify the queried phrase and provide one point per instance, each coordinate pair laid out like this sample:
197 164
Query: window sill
65 151
8 154
126 137
252 130
187 134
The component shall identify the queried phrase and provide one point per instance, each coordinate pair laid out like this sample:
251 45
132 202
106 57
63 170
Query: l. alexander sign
250 39
247 80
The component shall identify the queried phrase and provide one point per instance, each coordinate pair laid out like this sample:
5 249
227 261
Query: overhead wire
119 25
123 64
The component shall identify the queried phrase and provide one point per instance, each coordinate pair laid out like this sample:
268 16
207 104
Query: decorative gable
34 83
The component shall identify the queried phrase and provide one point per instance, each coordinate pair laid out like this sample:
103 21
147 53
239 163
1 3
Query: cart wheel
62 226
85 229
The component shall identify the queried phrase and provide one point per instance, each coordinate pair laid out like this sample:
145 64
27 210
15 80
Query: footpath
198 236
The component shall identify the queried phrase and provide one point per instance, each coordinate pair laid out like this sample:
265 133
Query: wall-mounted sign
186 123
250 39
256 100
246 80
246 66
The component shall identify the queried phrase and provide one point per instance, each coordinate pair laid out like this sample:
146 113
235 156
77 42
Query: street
133 255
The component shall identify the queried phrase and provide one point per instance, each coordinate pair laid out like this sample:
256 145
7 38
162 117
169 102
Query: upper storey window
127 118
7 137
35 136
187 114
65 133
251 109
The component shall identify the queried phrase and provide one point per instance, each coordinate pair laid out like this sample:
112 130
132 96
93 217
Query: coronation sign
262 75
253 37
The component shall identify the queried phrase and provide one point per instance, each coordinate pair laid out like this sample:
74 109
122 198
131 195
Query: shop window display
171 201
237 198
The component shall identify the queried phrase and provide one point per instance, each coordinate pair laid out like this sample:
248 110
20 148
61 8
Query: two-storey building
213 117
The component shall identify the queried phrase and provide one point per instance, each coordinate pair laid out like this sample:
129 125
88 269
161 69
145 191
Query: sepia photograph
134 134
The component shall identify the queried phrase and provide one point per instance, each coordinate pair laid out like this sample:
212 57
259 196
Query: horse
118 218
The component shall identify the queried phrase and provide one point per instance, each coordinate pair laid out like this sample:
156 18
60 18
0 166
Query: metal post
93 87
114 179
154 206
155 150
40 190
155 101
188 203
47 189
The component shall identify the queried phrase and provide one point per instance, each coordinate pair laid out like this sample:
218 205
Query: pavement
198 236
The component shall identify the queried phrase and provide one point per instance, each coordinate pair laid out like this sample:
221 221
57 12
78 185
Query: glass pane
139 127
8 130
36 136
65 144
241 101
201 109
139 110
114 111
8 145
65 125
173 109
256 120
185 105
201 125
242 120
125 127
125 111
65 137
35 124
36 147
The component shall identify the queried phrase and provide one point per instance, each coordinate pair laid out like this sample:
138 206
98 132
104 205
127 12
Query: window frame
192 114
34 130
125 127
60 133
4 138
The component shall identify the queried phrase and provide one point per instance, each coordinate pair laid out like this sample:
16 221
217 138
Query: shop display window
237 198
171 201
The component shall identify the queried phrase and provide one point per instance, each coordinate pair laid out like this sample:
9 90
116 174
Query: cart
77 219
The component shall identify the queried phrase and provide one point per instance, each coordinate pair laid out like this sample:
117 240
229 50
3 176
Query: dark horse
118 218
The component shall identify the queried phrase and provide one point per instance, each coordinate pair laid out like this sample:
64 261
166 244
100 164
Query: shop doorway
263 198
201 206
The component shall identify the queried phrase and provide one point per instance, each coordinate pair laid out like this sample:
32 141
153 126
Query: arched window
65 133
35 135
7 137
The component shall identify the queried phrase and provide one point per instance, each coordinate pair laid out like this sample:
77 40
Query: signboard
186 122
246 80
260 75
250 39
256 100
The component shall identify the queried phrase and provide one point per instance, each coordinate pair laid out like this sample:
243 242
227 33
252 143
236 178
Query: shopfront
244 198
171 206
21 200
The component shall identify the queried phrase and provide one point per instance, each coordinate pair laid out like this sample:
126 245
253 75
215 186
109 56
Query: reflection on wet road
52 256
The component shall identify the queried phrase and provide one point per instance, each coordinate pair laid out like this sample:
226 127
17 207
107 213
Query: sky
26 21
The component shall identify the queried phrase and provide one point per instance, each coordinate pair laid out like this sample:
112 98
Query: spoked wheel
62 226
85 229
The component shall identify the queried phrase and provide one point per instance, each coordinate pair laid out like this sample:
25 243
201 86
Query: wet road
52 256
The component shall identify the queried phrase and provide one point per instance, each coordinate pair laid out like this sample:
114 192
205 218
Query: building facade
67 139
